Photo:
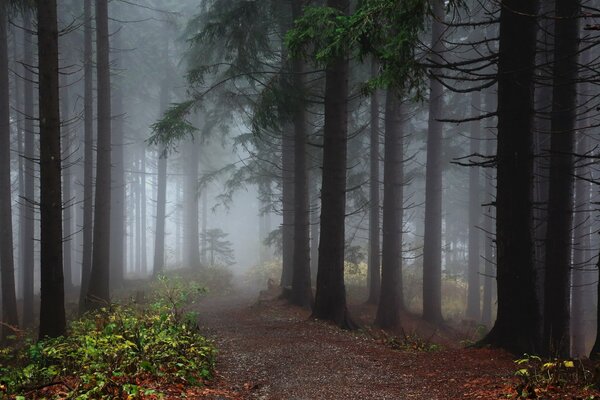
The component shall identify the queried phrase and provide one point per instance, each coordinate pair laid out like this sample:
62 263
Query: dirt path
269 350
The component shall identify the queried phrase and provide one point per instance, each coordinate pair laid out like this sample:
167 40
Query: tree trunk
161 188
432 241
541 139
517 324
27 204
99 290
560 199
489 276
66 187
287 207
191 228
117 209
474 283
204 219
88 157
314 226
9 300
580 234
374 271
52 301
391 298
330 299
143 214
301 285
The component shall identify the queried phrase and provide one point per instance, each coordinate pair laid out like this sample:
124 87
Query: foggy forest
299 199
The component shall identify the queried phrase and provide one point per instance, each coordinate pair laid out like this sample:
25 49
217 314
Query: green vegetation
110 353
537 375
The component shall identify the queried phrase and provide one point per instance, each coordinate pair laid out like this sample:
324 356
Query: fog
226 140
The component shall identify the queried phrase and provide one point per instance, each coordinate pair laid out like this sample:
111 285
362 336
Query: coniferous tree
88 157
99 284
301 286
560 198
432 241
474 286
330 298
517 324
391 300
27 204
52 302
374 256
9 300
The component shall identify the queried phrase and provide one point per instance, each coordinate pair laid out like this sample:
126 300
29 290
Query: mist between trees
437 158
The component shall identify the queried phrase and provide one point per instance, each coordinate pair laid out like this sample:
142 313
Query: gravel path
269 350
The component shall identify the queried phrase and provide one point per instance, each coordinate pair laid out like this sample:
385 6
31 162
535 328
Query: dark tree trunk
204 221
27 204
314 226
191 228
560 199
9 300
161 189
432 241
488 279
143 214
88 156
595 353
374 272
330 299
287 187
391 298
517 325
580 236
541 139
66 188
117 209
474 288
52 302
301 286
99 285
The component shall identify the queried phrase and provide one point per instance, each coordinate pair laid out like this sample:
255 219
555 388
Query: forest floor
270 350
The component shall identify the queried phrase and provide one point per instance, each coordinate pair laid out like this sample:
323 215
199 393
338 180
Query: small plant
412 342
537 375
110 353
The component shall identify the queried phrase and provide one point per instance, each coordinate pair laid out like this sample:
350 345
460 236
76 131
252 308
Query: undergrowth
538 377
411 342
111 352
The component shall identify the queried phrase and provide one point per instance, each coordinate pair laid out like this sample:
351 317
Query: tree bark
143 215
9 300
474 282
517 324
88 157
287 207
117 209
66 190
330 299
52 301
374 257
191 228
580 236
99 285
489 276
432 241
560 199
27 207
391 299
161 187
301 285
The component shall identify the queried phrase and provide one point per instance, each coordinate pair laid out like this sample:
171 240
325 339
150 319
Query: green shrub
260 274
536 374
110 351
